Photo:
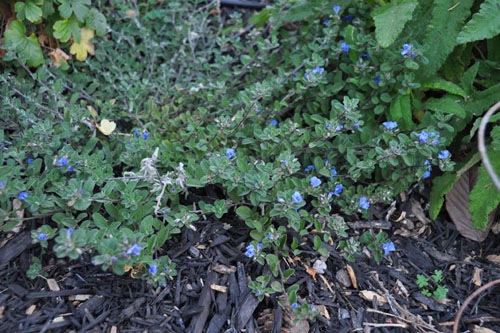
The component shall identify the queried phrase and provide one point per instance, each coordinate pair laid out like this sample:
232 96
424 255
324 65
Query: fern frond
484 24
442 32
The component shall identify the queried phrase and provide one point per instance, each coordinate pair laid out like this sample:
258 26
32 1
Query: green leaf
484 24
446 104
440 186
29 9
441 33
400 111
441 84
261 17
67 28
77 7
244 212
469 77
484 197
390 21
97 22
27 48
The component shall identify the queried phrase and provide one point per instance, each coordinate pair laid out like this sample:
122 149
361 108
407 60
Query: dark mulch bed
210 293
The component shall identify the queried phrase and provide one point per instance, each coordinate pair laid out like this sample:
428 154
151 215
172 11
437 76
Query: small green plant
432 287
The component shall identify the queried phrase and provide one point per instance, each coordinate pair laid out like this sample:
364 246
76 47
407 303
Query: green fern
484 197
390 21
440 40
484 24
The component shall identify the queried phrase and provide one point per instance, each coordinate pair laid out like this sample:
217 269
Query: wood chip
479 329
369 295
79 297
323 311
53 286
494 258
30 309
222 289
223 269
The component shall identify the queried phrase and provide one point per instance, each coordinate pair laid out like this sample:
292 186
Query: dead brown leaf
58 56
369 295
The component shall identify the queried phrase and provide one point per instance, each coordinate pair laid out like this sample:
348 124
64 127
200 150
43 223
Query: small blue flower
258 292
336 9
250 251
153 269
344 46
363 203
333 172
145 135
408 51
426 174
69 232
444 154
348 18
23 195
315 181
377 80
313 307
338 189
328 126
427 163
339 128
134 249
42 236
355 126
284 162
273 122
259 246
2 184
259 110
30 161
71 168
173 189
390 125
295 305
310 167
423 136
318 70
62 161
388 247
230 153
296 197
80 191
4 148
136 132
306 74
166 269
326 22
270 236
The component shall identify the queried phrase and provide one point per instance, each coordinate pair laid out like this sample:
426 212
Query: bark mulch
211 293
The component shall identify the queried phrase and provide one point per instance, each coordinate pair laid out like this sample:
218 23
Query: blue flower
42 236
173 189
325 22
333 172
259 246
344 46
348 18
258 292
318 70
363 203
444 154
427 163
145 135
426 174
423 136
338 189
69 232
295 305
408 51
336 9
250 252
310 167
30 160
270 236
273 122
230 153
23 195
62 161
296 197
390 125
80 191
136 132
339 128
2 184
388 247
315 181
71 168
355 126
377 80
153 269
134 249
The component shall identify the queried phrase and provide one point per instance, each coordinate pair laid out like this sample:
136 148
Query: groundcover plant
306 114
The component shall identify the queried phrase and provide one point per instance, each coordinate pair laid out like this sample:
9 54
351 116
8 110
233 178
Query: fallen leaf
92 111
494 258
479 329
311 271
85 47
58 57
106 127
352 276
476 277
216 287
457 205
323 311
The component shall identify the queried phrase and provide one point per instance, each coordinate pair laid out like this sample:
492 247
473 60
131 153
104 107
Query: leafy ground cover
226 168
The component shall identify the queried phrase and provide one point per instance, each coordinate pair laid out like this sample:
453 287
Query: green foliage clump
290 126
434 289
